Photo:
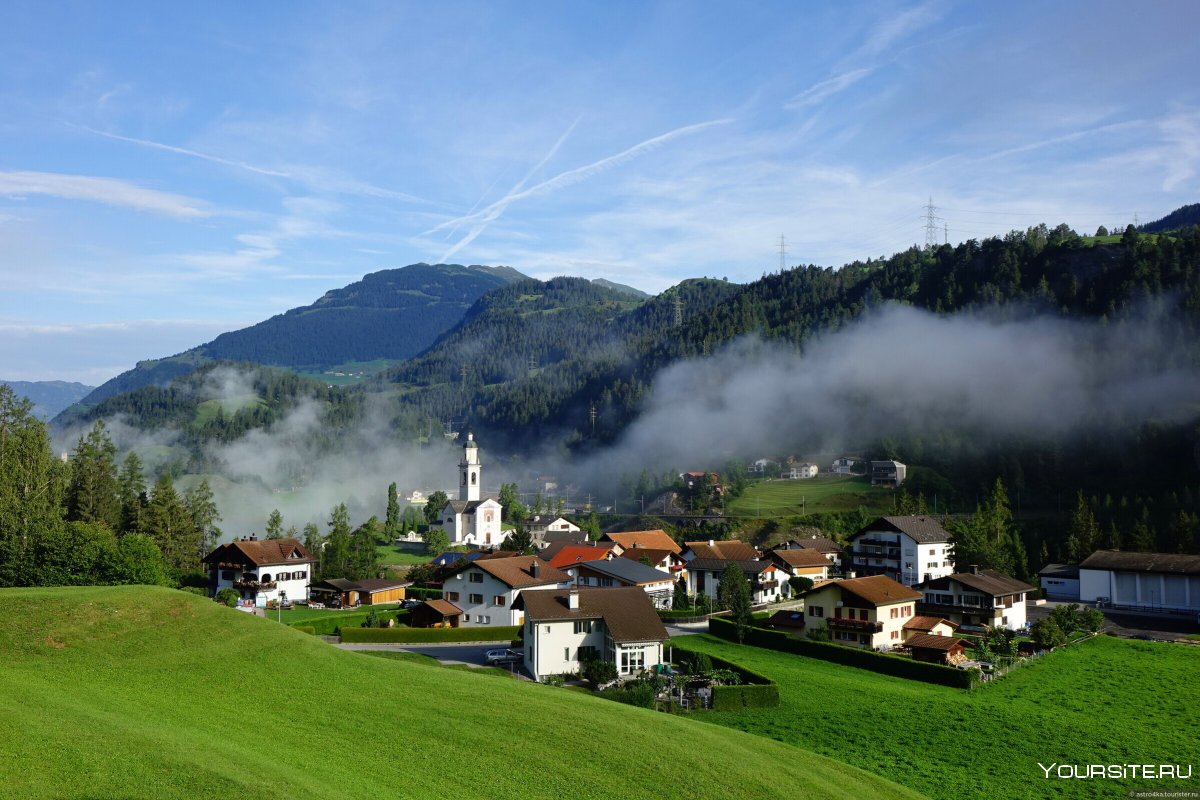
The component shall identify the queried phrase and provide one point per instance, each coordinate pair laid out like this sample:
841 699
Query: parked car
504 655
411 603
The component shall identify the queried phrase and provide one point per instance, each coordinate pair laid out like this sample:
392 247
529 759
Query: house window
498 600
547 630
299 576
485 620
466 617
476 577
588 653
632 661
895 634
452 597
227 575
816 611
895 613
583 626
566 654
266 578
475 599
606 581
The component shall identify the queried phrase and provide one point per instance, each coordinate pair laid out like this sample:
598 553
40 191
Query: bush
418 635
599 671
309 629
635 694
423 593
194 590
799 584
228 597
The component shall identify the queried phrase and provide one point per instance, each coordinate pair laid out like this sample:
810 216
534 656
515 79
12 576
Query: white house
801 562
831 550
768 583
1147 581
980 598
802 471
261 570
906 549
565 629
1060 581
472 519
539 526
869 613
608 573
842 466
486 590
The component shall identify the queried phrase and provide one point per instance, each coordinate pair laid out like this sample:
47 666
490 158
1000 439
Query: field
1107 701
394 556
142 692
825 493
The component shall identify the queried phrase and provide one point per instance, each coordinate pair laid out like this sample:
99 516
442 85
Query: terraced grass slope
150 692
826 493
1106 701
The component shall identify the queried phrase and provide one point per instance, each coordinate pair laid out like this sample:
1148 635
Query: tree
391 524
1047 635
1066 618
167 521
1083 532
228 597
131 489
734 594
313 539
510 504
93 494
599 671
1091 619
433 507
680 601
137 560
591 526
31 487
335 557
519 539
436 542
202 509
1102 231
275 525
800 584
364 556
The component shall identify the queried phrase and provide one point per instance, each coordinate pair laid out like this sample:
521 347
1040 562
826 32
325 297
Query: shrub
228 597
309 629
1091 619
1047 634
635 694
373 620
799 584
423 593
599 671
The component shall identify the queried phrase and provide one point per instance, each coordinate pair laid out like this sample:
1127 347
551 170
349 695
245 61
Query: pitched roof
627 571
987 581
261 552
569 537
576 554
627 611
875 590
443 607
926 530
822 544
749 566
927 623
729 549
1172 563
517 572
656 539
787 618
801 558
925 641
654 555
338 584
468 506
1068 571
381 584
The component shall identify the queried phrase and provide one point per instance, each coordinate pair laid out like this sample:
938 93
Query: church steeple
470 470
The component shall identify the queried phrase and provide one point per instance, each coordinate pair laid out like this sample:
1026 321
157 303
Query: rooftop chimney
711 542
535 568
974 569
573 599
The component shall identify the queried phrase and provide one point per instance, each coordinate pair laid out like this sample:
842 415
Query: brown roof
925 641
876 590
627 612
787 618
380 584
729 549
261 552
927 623
801 558
655 539
516 572
921 529
986 581
443 607
655 555
1143 562
820 543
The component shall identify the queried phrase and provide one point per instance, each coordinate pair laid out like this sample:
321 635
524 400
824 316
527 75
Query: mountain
388 315
1179 218
49 397
620 287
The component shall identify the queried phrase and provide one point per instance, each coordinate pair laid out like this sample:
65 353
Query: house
552 538
801 472
868 613
485 590
887 473
842 466
907 549
980 598
659 586
541 525
1060 582
728 550
801 563
663 560
435 614
372 591
655 539
1144 581
563 630
553 549
261 570
768 584
577 554
693 480
936 649
822 544
472 519
375 591
933 626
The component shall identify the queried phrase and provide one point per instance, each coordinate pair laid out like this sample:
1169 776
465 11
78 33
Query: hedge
330 624
897 666
758 691
428 635
422 593
309 629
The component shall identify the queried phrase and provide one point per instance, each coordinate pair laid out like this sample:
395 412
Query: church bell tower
469 471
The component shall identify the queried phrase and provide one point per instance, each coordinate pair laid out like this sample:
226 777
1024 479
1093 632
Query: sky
170 172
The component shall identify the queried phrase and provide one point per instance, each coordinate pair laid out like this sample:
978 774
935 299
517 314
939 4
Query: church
470 520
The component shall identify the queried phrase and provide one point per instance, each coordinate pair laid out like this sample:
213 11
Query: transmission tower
945 233
592 414
678 311
931 221
782 253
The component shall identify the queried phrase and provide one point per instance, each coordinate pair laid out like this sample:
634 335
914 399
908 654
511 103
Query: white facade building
906 549
802 471
981 598
471 519
486 591
261 571
1166 582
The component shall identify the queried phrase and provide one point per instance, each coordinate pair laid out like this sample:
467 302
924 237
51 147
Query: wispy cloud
111 191
182 151
827 88
1182 132
564 179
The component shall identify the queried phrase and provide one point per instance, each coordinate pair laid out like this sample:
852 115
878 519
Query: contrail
181 151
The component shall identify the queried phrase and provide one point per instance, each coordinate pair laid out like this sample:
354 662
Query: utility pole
592 414
930 224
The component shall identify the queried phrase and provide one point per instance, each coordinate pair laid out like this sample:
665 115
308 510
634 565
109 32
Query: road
1130 625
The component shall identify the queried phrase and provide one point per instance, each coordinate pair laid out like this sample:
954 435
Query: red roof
576 554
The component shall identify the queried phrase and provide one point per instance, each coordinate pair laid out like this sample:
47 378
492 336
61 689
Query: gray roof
570 537
718 564
921 529
986 581
1068 571
466 506
1171 563
626 571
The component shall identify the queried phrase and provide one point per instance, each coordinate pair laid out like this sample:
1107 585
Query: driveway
449 653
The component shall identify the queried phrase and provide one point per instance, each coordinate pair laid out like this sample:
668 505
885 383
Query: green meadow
143 692
823 494
1105 701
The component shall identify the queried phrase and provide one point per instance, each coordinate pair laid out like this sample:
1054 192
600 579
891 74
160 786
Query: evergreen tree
167 522
93 494
433 507
202 508
519 539
364 555
734 594
274 525
132 492
391 525
313 539
510 503
335 558
31 487
679 601
1083 532
436 542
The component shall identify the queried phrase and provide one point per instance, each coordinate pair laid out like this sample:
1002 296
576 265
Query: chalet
768 583
822 544
693 480
539 526
980 598
563 630
933 626
552 550
435 614
936 649
655 540
868 613
801 563
842 466
659 586
261 570
486 590
729 550
551 538
888 473
1060 581
663 560
906 549
1144 581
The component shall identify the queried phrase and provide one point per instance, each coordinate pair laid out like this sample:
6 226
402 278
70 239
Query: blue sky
169 173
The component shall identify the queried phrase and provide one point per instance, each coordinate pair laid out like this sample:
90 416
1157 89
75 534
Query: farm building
1144 581
936 649
1061 581
435 614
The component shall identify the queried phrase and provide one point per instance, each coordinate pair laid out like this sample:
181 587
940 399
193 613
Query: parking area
1131 624
474 655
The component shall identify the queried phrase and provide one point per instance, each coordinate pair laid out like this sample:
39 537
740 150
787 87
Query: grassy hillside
1108 701
149 692
825 493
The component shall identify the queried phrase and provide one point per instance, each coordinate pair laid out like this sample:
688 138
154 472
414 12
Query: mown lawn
823 494
394 556
142 692
1107 701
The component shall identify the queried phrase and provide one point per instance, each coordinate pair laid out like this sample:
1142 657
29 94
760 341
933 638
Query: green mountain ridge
49 397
